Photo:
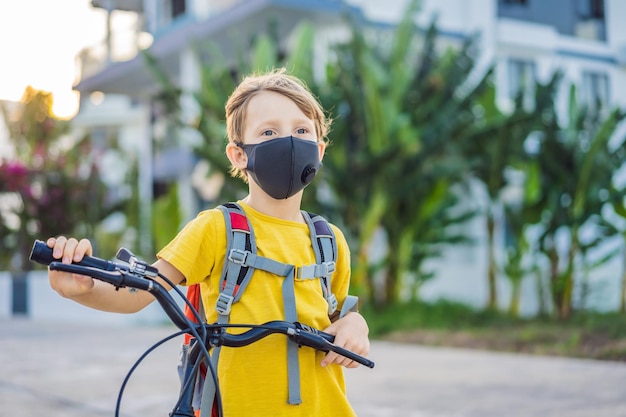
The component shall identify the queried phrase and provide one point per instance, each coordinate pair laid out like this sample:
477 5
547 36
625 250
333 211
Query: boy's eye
302 131
267 133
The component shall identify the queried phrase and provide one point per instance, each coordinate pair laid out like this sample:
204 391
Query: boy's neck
288 209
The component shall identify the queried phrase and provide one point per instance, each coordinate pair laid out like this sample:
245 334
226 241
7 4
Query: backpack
240 263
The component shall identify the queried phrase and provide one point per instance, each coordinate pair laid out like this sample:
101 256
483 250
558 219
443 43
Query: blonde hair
280 82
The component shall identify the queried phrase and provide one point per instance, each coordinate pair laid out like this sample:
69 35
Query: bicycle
139 275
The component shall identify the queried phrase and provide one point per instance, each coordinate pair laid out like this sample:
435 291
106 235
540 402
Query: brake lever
119 279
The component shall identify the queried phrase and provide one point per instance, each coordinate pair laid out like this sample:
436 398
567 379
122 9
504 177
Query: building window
597 9
521 81
169 10
594 92
591 9
178 8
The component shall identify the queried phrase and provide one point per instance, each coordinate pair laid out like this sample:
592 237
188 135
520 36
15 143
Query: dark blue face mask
283 166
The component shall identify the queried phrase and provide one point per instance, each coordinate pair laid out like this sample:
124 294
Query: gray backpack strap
291 315
235 277
326 255
236 272
351 303
325 248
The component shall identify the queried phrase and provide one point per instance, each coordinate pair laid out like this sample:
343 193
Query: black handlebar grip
42 254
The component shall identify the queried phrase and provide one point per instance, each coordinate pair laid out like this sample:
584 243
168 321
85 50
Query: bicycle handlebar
299 333
120 276
42 253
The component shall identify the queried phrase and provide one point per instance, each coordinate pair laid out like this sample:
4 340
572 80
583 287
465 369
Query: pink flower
13 176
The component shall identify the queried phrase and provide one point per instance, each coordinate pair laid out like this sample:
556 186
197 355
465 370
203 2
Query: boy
266 116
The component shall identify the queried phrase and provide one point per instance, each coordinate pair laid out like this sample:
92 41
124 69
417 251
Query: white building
526 39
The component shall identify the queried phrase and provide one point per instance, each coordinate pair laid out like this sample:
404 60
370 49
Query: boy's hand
350 333
67 251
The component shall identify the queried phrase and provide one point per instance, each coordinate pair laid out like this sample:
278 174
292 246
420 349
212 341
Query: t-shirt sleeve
341 278
194 249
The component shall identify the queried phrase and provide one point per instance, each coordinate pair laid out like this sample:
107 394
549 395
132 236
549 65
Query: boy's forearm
106 297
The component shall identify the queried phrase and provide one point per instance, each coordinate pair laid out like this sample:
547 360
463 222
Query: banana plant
493 145
399 117
577 168
618 204
520 215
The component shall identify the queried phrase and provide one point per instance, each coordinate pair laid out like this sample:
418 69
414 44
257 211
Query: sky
39 40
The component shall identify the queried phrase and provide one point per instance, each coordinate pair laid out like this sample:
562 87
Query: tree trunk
492 303
568 278
543 310
398 261
391 280
361 280
622 307
516 291
556 285
566 303
370 219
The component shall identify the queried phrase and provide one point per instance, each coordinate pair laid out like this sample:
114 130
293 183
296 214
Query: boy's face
271 115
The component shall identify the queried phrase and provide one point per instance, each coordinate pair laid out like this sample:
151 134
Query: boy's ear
321 146
236 156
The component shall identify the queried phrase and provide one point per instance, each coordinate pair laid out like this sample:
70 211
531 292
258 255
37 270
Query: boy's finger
329 358
83 248
70 249
59 246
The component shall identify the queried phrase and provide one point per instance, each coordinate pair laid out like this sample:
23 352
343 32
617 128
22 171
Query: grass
585 335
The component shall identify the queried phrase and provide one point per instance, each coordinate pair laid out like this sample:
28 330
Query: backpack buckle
332 303
224 303
329 268
238 256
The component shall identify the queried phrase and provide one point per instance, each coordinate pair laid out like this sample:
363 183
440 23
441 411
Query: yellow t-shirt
253 379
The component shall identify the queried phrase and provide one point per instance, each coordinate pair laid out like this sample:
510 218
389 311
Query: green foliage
404 110
495 145
575 186
166 217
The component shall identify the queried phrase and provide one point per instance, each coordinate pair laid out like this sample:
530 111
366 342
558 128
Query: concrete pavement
71 370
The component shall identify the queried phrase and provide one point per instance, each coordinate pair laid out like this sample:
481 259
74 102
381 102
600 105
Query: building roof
236 24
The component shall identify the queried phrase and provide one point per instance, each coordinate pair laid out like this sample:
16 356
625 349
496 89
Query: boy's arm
97 294
351 332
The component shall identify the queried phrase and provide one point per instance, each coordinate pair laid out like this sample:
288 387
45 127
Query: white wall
6 150
615 11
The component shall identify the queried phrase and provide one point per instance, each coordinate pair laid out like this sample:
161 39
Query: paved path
63 370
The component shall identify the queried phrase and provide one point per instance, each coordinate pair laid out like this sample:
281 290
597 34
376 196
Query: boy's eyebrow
278 121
